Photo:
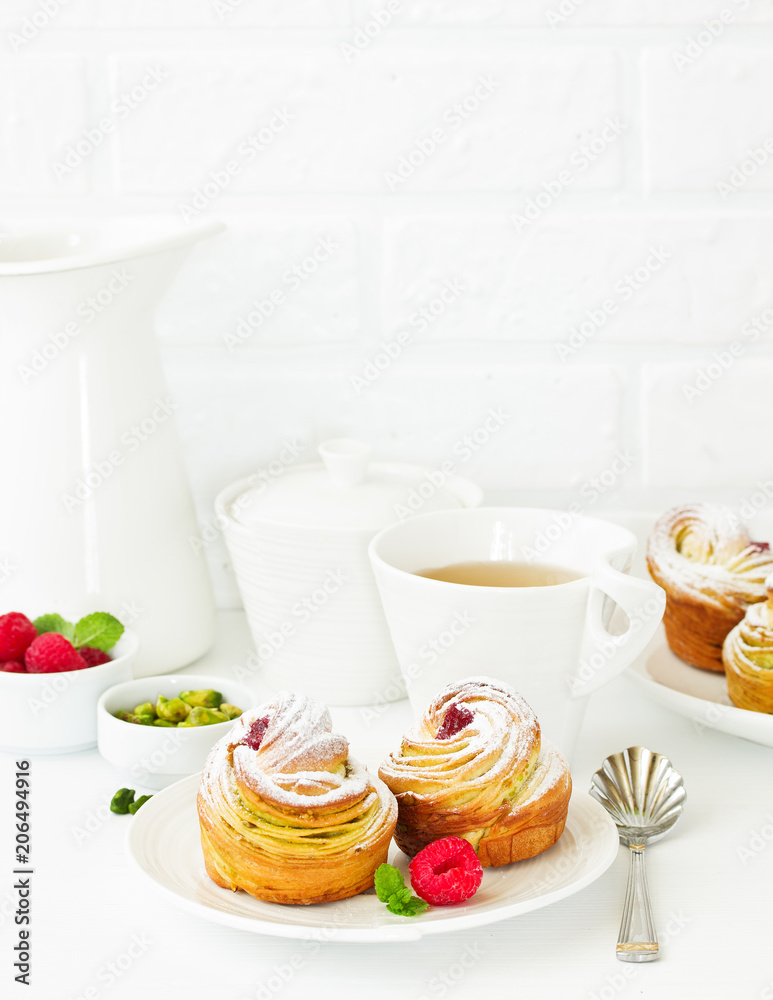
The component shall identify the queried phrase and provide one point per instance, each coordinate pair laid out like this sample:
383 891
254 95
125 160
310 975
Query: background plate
700 695
164 842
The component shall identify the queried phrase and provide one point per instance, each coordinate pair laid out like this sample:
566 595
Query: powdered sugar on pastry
705 552
487 758
286 814
550 769
747 655
299 757
476 767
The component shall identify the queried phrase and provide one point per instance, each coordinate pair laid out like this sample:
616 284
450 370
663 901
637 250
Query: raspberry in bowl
49 689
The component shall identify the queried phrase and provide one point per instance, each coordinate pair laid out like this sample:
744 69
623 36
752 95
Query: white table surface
713 902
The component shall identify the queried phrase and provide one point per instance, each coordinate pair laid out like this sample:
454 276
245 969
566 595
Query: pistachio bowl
57 713
156 756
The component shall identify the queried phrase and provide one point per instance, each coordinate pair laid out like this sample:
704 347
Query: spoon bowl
644 794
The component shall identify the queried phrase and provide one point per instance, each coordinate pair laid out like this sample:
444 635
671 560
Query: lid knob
346 460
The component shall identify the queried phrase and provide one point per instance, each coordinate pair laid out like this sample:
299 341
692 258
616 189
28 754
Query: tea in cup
464 595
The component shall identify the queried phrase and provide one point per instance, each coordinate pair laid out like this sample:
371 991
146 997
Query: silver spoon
644 795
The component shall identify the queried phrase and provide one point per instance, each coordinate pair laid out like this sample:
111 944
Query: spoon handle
637 941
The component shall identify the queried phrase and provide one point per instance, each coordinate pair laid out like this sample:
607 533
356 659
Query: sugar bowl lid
349 491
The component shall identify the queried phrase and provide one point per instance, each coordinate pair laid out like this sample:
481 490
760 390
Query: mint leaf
411 907
392 890
54 623
388 881
100 631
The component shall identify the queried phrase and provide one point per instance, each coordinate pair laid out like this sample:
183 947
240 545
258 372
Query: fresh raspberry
13 667
94 657
447 871
457 718
254 737
16 633
52 653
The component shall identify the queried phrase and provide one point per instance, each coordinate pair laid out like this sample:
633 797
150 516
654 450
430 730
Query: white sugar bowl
299 548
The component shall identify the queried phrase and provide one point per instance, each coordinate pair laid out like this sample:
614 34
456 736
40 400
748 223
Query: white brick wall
702 117
564 209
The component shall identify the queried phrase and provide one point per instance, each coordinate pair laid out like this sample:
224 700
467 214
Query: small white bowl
57 713
157 756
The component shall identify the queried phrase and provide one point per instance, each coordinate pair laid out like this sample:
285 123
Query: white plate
164 842
700 695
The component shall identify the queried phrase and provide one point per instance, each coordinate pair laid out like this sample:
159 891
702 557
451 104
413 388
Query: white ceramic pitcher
551 643
95 511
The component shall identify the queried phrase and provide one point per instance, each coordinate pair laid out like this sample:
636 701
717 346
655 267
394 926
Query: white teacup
551 643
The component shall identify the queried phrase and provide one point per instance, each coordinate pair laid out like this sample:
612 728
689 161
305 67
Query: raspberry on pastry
286 814
492 780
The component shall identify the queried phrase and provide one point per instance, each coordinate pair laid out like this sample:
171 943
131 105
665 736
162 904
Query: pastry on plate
711 571
286 814
748 657
476 767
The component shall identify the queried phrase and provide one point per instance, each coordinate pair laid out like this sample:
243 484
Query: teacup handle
604 655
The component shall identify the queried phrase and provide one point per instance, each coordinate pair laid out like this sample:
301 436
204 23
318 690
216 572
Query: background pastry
711 571
748 657
286 814
476 767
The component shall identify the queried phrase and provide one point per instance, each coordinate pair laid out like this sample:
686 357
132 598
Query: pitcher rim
124 249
